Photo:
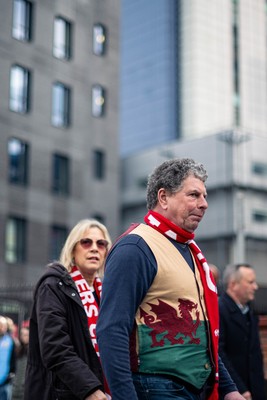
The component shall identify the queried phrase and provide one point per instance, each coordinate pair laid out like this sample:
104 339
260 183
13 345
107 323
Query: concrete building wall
253 65
88 196
206 67
207 63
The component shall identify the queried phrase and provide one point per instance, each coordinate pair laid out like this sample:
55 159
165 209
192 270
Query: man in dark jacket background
239 345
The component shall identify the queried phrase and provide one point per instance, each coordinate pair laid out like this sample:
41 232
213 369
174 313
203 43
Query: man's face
187 207
245 288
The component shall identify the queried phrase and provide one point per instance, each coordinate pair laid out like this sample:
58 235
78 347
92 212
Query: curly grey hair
170 175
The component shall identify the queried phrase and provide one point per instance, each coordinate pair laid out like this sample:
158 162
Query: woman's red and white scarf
170 230
90 306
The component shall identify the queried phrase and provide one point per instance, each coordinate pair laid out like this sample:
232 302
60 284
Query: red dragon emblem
167 317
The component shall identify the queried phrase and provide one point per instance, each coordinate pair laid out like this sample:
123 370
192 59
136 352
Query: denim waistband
173 378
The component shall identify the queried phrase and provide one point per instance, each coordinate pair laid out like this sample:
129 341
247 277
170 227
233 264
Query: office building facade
59 128
190 69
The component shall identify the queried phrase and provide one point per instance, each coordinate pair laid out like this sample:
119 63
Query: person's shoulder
129 237
227 304
131 246
223 298
52 274
131 242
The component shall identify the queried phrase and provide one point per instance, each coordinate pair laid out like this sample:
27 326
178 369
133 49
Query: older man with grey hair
239 344
158 326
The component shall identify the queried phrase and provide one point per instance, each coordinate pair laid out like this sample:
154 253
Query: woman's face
89 255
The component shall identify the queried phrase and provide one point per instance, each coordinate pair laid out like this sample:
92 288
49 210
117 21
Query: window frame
99 217
259 168
61 103
62 38
19 92
99 48
98 93
99 164
60 175
15 242
58 235
18 169
259 216
22 24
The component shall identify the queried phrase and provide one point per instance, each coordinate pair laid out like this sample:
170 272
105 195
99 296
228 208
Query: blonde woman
63 359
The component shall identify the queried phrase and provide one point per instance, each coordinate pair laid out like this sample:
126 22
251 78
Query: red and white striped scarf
90 306
170 230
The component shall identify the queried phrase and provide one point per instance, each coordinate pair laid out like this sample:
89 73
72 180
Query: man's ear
162 198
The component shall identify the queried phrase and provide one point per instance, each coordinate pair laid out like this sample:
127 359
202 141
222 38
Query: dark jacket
240 349
62 362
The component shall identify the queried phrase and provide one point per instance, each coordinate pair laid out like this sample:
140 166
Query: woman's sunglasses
87 243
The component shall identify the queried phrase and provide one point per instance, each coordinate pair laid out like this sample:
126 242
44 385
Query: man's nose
255 285
203 202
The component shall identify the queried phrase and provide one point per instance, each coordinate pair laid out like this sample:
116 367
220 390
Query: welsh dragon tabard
171 321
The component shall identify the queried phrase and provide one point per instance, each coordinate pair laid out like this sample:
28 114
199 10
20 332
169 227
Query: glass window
18 154
15 244
99 218
99 39
62 39
98 101
60 178
142 182
260 216
57 239
22 20
60 105
19 89
99 164
259 168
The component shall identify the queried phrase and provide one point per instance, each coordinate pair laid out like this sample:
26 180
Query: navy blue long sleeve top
130 270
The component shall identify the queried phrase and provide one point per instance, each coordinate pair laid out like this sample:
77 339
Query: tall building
149 81
220 114
59 63
190 69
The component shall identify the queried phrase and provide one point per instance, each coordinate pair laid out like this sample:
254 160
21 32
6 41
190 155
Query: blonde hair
77 233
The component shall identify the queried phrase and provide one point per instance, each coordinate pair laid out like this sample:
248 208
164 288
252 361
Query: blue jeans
155 387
